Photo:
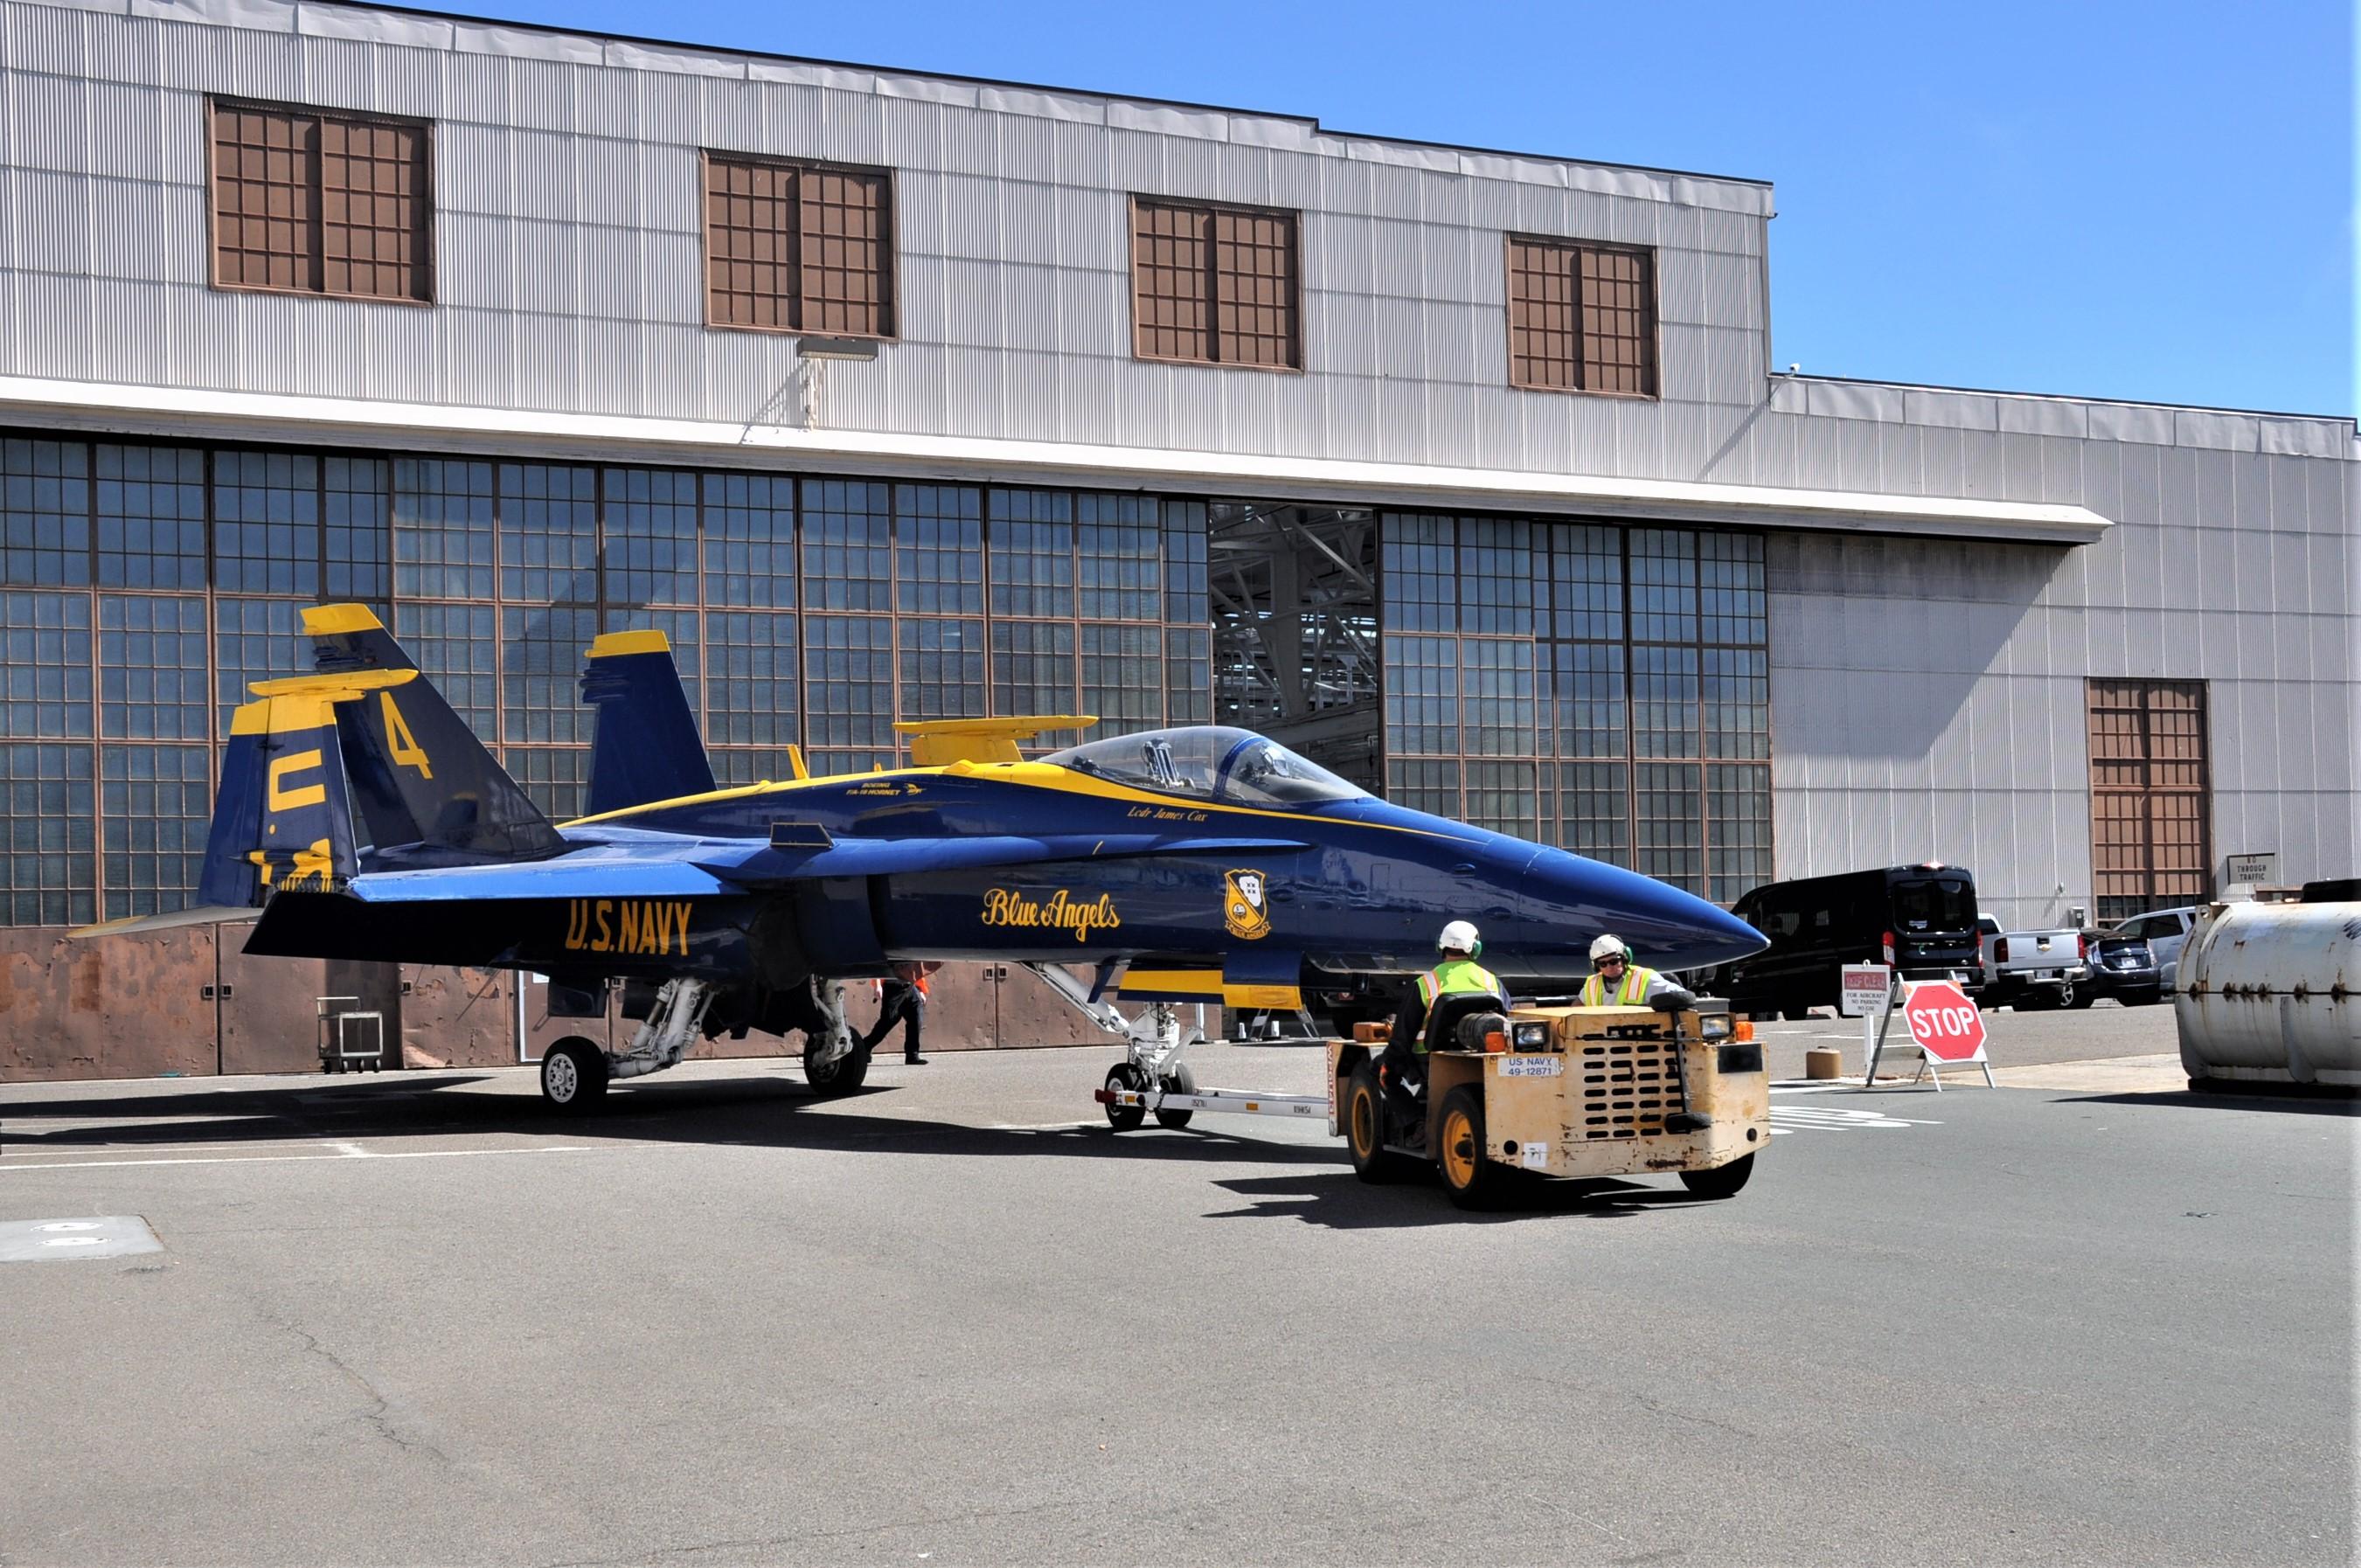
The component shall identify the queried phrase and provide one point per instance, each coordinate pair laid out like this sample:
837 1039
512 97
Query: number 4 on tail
404 746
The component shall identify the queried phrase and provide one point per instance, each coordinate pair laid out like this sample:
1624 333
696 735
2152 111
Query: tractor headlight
1531 1037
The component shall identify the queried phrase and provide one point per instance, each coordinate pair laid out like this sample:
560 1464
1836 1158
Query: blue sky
2151 201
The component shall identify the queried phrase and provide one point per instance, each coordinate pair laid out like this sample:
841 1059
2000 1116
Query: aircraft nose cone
1666 928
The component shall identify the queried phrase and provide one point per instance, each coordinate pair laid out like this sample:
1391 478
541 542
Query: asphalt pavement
954 1320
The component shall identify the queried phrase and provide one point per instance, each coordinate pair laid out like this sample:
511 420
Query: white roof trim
250 416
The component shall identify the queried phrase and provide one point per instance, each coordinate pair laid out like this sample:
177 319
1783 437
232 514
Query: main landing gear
835 1062
574 1072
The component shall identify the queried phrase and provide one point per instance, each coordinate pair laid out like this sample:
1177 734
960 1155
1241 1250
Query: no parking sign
1945 1027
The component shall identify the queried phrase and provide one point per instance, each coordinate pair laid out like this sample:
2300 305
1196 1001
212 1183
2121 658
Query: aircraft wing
649 865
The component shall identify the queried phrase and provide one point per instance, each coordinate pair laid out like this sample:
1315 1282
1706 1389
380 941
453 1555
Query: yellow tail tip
329 620
608 643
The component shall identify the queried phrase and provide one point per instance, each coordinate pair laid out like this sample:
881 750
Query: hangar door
2151 795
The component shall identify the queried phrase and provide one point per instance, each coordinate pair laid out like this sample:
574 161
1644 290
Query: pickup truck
2040 968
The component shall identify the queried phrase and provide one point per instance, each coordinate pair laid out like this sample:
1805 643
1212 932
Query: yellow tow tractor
1579 1092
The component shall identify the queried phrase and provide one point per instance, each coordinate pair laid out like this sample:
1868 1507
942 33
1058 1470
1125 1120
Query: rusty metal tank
2271 993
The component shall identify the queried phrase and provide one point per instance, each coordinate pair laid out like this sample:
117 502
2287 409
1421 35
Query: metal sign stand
1894 998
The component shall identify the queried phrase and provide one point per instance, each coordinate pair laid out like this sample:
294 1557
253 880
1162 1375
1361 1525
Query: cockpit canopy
1207 761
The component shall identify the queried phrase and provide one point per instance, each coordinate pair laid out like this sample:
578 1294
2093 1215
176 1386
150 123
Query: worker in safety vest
1403 1066
1617 981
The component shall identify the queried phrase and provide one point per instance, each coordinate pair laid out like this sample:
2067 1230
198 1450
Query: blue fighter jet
363 820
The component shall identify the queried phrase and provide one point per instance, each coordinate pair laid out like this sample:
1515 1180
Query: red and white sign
1944 1023
1864 991
1945 1028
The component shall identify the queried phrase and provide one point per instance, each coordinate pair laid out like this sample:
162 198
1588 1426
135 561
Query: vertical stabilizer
283 816
419 776
645 746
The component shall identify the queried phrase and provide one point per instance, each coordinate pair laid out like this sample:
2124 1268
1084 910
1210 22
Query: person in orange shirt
902 997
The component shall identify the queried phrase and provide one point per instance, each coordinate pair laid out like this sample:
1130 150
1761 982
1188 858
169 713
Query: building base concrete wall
152 1005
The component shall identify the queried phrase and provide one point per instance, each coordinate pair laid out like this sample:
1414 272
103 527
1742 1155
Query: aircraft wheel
1472 1180
842 1076
1132 1077
1365 1127
572 1075
1179 1081
1722 1181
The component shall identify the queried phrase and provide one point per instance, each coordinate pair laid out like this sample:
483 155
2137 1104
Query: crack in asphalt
375 1417
760 1542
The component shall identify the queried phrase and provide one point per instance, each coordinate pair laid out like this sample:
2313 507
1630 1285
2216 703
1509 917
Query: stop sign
1944 1023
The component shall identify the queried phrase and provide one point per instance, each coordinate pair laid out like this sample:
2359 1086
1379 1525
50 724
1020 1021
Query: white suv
2165 930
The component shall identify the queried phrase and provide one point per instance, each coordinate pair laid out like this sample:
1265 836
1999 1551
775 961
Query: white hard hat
1460 937
1608 947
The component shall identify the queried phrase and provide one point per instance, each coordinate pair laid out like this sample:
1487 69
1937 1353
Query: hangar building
890 394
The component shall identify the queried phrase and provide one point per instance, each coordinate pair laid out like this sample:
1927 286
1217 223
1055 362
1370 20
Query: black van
1921 919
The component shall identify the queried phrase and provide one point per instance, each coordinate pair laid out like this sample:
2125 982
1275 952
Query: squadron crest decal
1245 904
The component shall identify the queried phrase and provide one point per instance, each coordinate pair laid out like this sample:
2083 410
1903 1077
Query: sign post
1945 1027
1866 992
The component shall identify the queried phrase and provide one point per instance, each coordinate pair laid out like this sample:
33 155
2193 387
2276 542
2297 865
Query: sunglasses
1604 962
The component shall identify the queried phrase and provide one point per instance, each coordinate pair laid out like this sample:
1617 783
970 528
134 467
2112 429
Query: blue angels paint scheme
364 821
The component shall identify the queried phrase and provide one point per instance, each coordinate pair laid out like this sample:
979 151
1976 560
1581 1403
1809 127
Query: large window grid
798 246
320 202
1215 285
1582 317
117 695
2151 795
1602 687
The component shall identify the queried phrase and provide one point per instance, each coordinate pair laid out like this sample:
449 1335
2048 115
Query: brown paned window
2151 795
322 203
1582 318
798 248
1215 285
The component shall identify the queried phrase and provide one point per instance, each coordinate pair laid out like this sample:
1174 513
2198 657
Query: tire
1364 1115
1126 1075
1722 1181
1469 1034
1179 1081
841 1077
2080 997
1470 1175
573 1076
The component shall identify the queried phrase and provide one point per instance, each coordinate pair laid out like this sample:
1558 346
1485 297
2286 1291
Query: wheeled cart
1577 1091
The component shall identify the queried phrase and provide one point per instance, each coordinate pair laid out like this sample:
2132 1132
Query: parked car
1921 919
2124 968
2165 930
2041 969
1987 933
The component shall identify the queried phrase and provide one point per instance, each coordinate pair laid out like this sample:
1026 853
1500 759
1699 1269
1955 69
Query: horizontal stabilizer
204 914
586 874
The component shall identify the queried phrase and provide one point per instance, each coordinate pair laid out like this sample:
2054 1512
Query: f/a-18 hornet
363 819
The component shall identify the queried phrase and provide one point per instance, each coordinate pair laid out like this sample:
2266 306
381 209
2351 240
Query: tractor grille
1628 1088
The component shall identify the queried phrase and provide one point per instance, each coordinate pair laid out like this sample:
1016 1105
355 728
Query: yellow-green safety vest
1631 993
1456 977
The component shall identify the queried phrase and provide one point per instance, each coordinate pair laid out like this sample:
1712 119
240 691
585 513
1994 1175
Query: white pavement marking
1837 1119
31 1162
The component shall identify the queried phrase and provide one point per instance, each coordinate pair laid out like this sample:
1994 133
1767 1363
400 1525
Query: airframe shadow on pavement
765 1113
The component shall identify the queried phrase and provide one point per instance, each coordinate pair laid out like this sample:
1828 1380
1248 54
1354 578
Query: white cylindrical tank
2268 992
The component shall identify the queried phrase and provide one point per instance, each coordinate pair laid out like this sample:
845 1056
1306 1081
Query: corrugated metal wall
569 247
1927 696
